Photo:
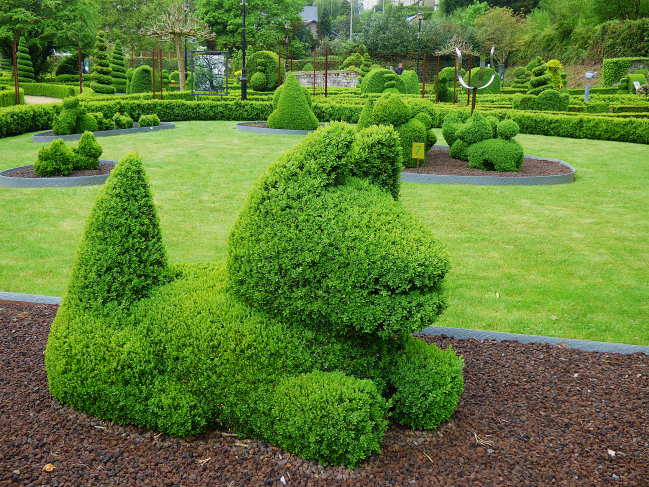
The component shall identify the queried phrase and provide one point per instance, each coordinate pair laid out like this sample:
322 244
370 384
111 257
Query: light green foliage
464 135
547 100
541 80
391 110
85 122
501 154
428 384
409 132
175 76
411 81
122 121
420 105
55 160
103 123
293 111
308 67
534 63
25 68
118 68
129 79
278 92
451 124
121 257
626 85
522 78
329 417
493 88
266 63
66 122
365 120
554 68
380 80
86 154
355 59
101 70
366 67
376 156
142 81
149 121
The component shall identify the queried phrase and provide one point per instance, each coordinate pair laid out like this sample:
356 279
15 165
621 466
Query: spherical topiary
25 68
85 122
293 111
258 81
390 109
476 129
508 129
87 153
142 81
55 160
418 105
424 118
101 70
118 68
329 417
267 62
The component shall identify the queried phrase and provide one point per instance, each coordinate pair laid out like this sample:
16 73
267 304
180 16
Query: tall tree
324 23
174 24
265 19
43 37
502 28
604 10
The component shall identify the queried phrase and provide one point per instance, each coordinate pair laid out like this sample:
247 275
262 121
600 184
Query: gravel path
39 100
531 414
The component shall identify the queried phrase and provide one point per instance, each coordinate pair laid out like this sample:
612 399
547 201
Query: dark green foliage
293 111
129 80
391 110
6 63
101 70
360 262
428 383
459 150
493 121
534 63
366 67
496 155
25 68
444 93
493 88
68 65
118 69
365 120
149 121
57 159
329 417
85 122
540 70
121 257
166 81
66 122
451 124
548 100
376 155
380 80
122 121
87 152
409 132
411 81
266 63
522 78
418 105
541 80
431 139
142 81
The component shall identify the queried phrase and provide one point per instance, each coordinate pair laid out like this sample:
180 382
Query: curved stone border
263 130
409 177
39 138
7 182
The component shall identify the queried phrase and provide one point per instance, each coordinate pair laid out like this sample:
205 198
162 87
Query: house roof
309 13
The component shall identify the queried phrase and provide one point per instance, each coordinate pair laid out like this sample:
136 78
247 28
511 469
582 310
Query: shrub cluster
73 119
627 86
58 159
262 69
548 100
149 121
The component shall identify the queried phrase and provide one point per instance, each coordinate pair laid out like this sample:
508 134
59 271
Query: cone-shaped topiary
101 70
541 80
118 68
522 78
365 119
87 152
6 64
25 68
308 67
121 256
293 111
142 81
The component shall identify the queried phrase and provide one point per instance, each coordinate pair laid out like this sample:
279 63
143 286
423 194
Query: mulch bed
28 172
530 415
438 161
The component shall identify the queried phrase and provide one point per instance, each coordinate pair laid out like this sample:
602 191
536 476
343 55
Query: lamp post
351 15
287 25
420 17
244 80
590 75
185 9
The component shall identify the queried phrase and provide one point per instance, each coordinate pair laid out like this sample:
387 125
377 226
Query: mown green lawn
567 260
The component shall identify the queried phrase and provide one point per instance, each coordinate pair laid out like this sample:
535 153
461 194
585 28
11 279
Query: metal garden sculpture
481 72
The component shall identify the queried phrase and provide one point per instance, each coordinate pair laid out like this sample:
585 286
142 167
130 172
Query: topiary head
71 103
476 129
540 70
390 109
507 129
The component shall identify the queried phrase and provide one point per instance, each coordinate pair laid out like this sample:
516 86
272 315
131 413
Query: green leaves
293 111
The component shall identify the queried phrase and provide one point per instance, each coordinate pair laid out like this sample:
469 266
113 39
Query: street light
287 25
244 80
185 9
590 75
420 17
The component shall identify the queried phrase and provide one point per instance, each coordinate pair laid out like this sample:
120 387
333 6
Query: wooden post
469 94
16 87
132 52
423 90
314 72
455 79
153 63
279 68
291 60
326 69
161 80
437 89
80 76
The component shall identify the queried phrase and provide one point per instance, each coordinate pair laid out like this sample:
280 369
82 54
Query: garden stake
437 89
160 61
291 60
326 69
314 72
455 79
153 64
468 98
279 67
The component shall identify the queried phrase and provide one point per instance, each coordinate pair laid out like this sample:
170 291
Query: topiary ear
121 256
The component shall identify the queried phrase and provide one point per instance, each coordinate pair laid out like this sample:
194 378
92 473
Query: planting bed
262 128
49 136
25 177
530 415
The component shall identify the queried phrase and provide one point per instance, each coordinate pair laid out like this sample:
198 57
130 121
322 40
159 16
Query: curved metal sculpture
481 72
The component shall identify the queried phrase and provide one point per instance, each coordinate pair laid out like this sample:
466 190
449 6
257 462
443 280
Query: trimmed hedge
615 68
49 89
149 121
8 96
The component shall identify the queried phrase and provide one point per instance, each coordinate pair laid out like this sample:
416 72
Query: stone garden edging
58 182
264 130
43 137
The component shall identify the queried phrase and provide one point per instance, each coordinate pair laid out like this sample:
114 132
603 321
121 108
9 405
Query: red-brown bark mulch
438 161
530 415
28 172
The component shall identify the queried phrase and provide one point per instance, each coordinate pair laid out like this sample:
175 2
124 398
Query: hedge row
49 89
615 68
8 97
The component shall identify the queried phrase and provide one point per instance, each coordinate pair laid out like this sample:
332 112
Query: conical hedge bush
25 68
121 256
101 70
118 69
293 111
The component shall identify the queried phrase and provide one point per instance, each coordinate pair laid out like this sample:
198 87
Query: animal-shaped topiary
266 63
476 129
87 152
293 110
73 119
304 340
548 100
501 154
380 80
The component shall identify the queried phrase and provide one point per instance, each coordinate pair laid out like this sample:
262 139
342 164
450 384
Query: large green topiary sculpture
293 111
101 70
380 80
522 78
73 119
541 80
365 68
500 154
58 159
304 341
118 69
266 63
142 81
25 68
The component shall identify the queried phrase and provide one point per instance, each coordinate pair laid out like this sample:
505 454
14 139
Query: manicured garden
560 260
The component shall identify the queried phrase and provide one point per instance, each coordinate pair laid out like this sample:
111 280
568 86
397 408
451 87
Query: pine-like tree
103 82
119 70
25 68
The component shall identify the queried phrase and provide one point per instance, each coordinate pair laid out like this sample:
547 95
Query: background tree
44 37
118 68
265 20
324 23
24 64
503 29
174 24
101 70
604 10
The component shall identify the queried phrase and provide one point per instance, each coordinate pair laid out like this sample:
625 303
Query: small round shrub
476 129
508 129
258 81
142 81
57 159
149 120
428 383
308 67
418 105
293 111
103 123
552 100
87 152
122 121
355 59
411 81
493 121
329 417
496 155
390 109
459 150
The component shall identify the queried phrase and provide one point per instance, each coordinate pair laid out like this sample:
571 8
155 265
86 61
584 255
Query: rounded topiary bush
149 120
366 119
391 110
428 383
101 70
507 129
329 417
452 122
293 111
87 152
496 155
266 62
55 160
258 81
411 80
409 132
85 122
308 67
142 81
